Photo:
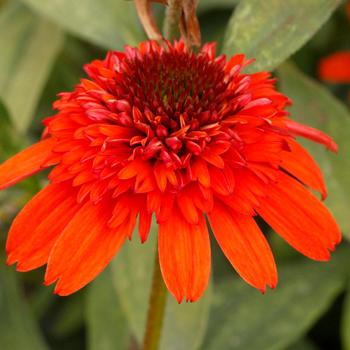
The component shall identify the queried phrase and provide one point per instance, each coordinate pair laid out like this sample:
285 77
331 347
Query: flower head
335 68
169 133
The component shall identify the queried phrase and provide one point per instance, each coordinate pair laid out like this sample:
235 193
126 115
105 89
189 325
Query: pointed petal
200 171
36 211
311 134
300 164
222 180
145 221
36 249
84 248
300 218
184 254
163 174
187 207
244 245
25 163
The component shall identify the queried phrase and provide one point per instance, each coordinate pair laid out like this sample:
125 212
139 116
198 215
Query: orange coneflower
335 68
167 132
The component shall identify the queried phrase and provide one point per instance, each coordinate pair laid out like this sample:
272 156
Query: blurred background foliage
44 44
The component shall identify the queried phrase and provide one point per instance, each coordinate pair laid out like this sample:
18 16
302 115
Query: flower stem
157 303
172 19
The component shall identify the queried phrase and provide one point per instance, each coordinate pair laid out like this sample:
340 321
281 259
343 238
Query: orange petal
222 180
300 218
163 174
84 248
37 247
143 172
244 245
187 207
160 175
25 163
145 221
133 169
200 172
247 190
335 68
184 254
300 164
312 134
36 211
213 159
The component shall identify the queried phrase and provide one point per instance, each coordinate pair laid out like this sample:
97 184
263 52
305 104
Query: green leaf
7 142
345 327
243 318
132 275
106 323
70 316
315 106
29 46
66 73
4 115
185 325
272 30
205 5
213 26
303 344
40 300
107 23
18 329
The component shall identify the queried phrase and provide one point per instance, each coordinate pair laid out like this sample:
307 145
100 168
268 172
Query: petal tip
62 292
20 267
10 260
179 298
263 289
10 263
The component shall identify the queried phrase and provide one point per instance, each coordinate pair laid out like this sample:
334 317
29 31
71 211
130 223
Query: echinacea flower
335 68
162 131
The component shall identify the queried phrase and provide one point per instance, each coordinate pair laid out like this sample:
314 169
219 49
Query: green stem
157 303
172 19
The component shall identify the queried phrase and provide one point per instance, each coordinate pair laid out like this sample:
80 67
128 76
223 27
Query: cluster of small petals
167 133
